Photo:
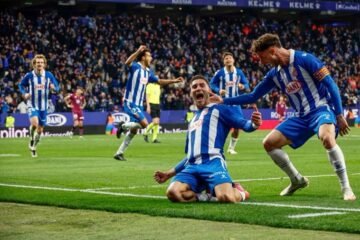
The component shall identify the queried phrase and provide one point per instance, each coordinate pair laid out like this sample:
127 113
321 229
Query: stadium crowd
90 52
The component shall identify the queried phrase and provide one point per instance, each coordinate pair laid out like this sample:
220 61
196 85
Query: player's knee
328 141
268 144
173 195
226 198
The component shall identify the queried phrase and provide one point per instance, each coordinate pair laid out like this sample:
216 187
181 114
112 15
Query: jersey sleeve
233 118
260 90
314 66
214 82
54 81
181 165
152 77
24 83
244 80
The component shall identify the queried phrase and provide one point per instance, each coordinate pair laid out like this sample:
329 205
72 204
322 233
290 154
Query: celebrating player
139 75
77 103
35 88
314 95
204 164
229 82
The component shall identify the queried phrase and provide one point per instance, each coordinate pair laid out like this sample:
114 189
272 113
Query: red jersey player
281 109
76 101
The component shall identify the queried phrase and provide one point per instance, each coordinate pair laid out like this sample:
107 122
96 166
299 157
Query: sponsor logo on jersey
293 87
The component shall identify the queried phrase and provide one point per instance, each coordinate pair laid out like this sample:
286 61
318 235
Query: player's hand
215 98
256 116
222 92
179 79
27 96
141 48
161 177
241 86
343 125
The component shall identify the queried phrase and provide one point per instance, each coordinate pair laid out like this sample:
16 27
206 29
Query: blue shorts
135 112
41 115
204 176
299 129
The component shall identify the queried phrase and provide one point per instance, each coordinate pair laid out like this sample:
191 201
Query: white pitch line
236 180
9 155
265 204
307 215
279 178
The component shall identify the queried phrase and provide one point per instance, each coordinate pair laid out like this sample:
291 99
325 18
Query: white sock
205 197
337 160
128 125
36 138
282 160
233 142
129 136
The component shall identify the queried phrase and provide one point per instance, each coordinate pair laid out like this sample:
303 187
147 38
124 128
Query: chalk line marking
266 204
307 215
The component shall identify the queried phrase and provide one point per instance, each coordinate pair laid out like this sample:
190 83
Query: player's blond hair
264 42
37 56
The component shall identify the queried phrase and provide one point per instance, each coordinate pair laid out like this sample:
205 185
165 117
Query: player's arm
244 83
162 177
67 100
164 82
232 117
24 83
84 104
260 90
133 56
321 73
215 83
54 85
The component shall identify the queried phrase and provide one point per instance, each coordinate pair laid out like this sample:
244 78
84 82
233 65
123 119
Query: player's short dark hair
196 77
139 57
226 54
264 42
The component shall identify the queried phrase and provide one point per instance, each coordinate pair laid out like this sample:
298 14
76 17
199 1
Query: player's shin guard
282 160
337 160
32 132
128 125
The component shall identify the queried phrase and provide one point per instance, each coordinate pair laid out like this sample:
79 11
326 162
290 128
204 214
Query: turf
81 174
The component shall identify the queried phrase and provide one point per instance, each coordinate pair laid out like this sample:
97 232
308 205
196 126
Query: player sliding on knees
313 94
204 167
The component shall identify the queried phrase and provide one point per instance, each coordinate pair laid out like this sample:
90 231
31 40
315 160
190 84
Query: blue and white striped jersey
136 83
306 82
208 130
39 87
229 81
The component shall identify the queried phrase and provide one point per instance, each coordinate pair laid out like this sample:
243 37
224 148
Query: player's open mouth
199 96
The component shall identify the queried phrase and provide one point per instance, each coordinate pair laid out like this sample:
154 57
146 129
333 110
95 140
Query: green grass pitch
81 174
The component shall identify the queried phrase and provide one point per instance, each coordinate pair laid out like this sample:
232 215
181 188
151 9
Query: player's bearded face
148 59
268 57
200 93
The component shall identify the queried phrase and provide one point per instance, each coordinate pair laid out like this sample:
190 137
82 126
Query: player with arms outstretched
139 76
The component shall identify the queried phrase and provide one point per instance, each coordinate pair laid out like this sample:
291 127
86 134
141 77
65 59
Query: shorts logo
293 87
55 119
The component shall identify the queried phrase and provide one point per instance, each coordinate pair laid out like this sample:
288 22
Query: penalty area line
307 215
265 204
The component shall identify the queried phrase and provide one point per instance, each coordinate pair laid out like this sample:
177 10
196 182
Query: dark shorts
155 110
